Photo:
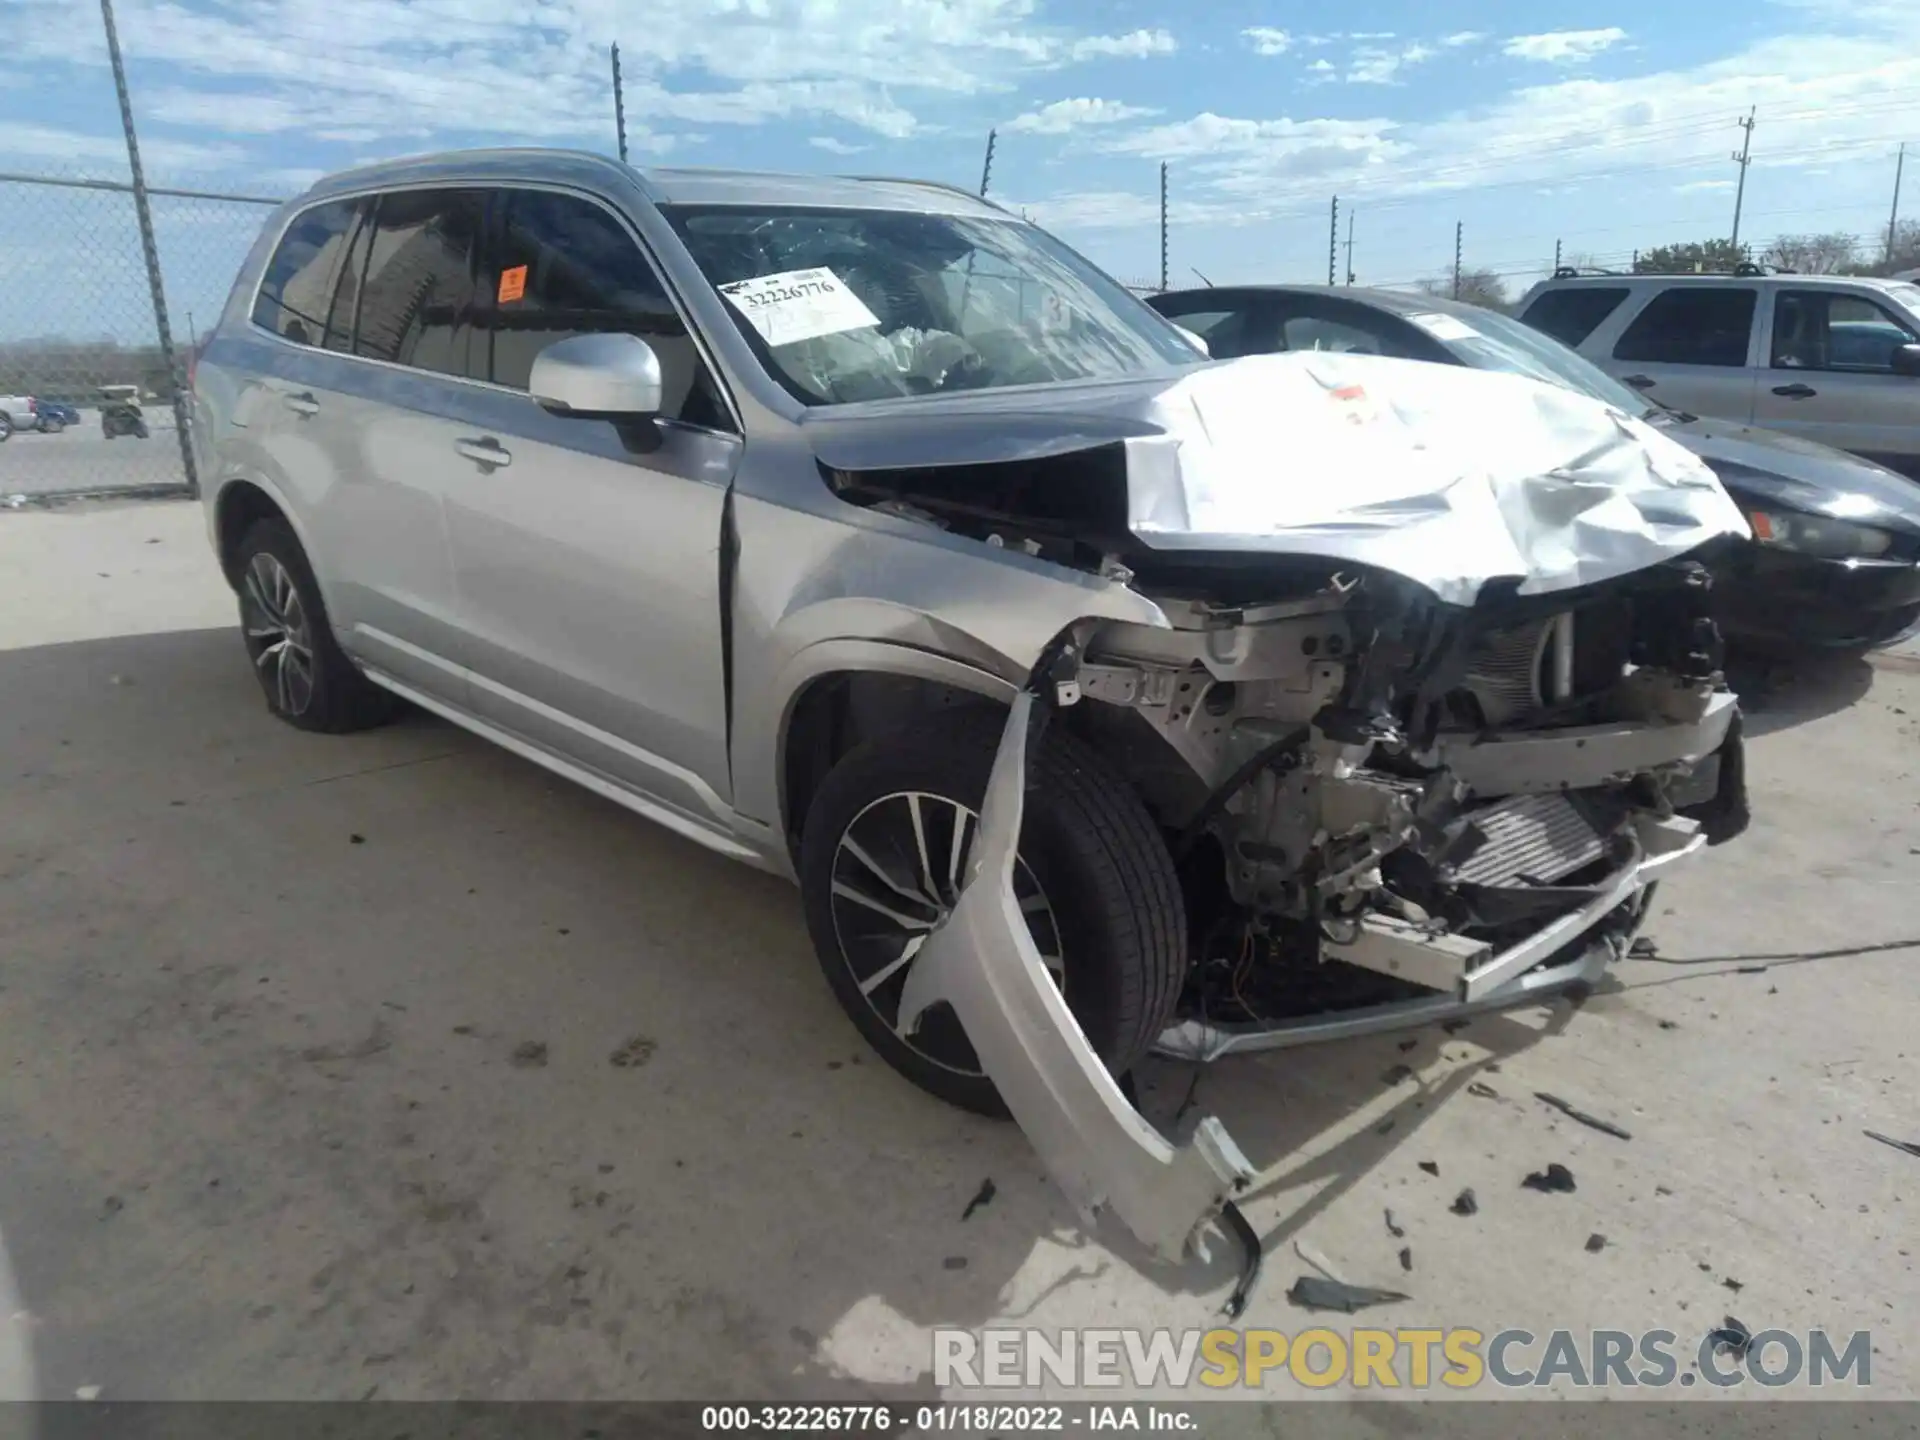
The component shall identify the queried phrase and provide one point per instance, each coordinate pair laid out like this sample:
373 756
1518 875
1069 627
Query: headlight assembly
1818 535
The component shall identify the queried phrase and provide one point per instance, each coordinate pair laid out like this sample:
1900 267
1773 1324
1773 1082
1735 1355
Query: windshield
1488 341
849 305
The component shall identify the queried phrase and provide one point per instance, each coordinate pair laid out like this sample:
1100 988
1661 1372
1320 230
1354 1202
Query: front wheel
884 854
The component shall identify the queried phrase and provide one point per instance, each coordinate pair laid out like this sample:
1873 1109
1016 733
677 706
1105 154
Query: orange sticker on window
513 283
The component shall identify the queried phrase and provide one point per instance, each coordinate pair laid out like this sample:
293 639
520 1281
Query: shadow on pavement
1780 690
391 1065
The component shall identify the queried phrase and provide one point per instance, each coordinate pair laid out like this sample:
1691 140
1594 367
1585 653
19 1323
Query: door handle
1638 382
302 404
485 452
1796 391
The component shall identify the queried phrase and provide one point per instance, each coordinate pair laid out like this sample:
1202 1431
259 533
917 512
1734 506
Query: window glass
346 293
1822 330
297 289
850 305
1307 332
567 267
1692 325
1229 331
1571 315
417 298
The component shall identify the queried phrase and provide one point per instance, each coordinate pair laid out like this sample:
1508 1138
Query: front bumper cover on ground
1104 1154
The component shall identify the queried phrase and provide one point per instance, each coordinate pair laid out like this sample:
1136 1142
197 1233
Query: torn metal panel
982 961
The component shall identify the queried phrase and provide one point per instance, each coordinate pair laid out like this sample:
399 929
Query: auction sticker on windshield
799 305
1444 327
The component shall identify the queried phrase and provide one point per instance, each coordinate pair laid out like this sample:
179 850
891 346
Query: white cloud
1371 65
1134 45
1564 47
1064 115
835 147
1370 35
1694 187
1265 40
1323 67
1461 38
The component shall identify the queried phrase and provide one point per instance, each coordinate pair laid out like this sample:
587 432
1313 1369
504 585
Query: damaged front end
1391 801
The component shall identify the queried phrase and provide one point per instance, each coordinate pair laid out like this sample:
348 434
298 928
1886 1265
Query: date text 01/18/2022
959 1418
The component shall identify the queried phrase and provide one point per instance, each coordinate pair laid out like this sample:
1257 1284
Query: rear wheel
308 680
885 851
51 425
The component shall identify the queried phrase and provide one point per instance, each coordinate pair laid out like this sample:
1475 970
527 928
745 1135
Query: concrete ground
80 458
391 1065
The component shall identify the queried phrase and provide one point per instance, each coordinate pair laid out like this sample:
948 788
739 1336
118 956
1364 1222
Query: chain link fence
87 399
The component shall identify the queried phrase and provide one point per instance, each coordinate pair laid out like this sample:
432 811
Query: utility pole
1163 227
1743 159
1333 240
986 170
1349 247
1893 221
150 251
1556 257
1459 234
619 107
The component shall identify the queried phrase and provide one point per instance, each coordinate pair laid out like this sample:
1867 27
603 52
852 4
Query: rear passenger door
1693 347
1830 375
404 312
589 555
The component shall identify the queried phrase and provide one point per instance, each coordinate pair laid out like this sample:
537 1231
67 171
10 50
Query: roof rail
1574 272
928 184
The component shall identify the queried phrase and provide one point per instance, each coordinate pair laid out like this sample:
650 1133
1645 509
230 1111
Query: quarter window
1691 325
1571 315
296 294
565 266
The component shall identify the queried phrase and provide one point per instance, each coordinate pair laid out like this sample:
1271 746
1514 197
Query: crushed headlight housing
1818 535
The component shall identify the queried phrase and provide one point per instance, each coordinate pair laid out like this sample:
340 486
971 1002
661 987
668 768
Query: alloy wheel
279 634
897 873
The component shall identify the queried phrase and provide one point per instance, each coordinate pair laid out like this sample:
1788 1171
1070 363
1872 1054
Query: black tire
52 427
6 427
334 696
1106 881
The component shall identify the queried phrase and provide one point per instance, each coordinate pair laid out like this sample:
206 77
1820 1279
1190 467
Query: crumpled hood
1449 476
1764 465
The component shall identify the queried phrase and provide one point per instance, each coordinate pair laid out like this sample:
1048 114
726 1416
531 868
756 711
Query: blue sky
1607 125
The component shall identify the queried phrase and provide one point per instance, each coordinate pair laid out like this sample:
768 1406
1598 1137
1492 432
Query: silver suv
1834 359
1099 699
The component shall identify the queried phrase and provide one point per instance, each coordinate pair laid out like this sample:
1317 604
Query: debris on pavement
1465 1203
1736 1286
954 1262
1555 1179
1396 1074
1480 1090
356 839
633 1052
983 1196
1432 1167
1732 1338
1397 1231
1406 1257
1316 1292
529 1055
1596 1242
1911 1147
1643 949
1572 1112
1314 1258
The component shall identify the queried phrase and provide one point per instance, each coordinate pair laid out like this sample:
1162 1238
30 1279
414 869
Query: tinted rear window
1570 316
296 292
1691 325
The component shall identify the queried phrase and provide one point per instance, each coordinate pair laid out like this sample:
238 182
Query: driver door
588 554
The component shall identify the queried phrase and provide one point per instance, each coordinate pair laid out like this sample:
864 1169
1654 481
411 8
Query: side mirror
598 377
1199 342
1906 360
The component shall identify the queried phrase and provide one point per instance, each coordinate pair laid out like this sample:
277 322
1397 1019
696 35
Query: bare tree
1827 254
1477 287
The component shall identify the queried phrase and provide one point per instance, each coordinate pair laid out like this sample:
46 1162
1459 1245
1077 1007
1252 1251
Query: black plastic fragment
1573 1112
1911 1147
1250 1257
983 1196
1555 1179
1732 1338
1596 1242
1465 1203
1406 1257
1432 1167
1317 1292
1395 1229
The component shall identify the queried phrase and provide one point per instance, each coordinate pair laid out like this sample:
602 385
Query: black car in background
1835 558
